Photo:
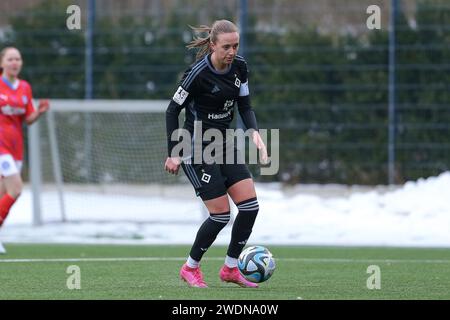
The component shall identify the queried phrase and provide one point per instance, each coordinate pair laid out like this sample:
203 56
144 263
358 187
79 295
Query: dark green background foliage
326 92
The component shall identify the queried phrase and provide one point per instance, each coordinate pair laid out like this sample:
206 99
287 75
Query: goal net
103 160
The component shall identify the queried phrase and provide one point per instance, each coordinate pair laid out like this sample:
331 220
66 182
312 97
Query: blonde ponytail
202 44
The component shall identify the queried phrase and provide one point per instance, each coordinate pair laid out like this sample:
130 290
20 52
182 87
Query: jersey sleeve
244 105
181 98
187 87
29 108
243 91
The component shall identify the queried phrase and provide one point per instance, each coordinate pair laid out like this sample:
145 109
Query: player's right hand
43 106
172 165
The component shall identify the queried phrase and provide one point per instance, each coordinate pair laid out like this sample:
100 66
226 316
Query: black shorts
213 180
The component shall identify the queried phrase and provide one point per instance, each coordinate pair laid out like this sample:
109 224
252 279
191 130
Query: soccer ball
256 264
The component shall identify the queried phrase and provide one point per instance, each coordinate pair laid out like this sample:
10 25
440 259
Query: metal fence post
392 93
35 171
243 13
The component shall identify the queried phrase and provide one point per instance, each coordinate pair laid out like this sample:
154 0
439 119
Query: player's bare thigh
13 185
2 187
218 205
11 179
242 190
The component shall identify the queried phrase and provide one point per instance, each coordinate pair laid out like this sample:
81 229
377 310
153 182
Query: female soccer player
16 106
208 91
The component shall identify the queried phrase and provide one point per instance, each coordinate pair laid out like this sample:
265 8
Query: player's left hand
257 140
43 106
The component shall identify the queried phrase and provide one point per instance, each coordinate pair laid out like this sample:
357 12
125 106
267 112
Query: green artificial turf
151 272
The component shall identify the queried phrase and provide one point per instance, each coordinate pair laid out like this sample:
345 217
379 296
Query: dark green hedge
328 94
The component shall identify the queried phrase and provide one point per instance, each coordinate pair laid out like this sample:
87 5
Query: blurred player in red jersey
16 106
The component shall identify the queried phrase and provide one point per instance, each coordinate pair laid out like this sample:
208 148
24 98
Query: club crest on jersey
25 99
237 83
228 104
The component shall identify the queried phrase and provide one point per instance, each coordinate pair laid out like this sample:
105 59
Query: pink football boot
192 276
233 275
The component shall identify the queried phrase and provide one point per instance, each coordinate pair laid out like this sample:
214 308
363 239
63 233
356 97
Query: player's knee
15 193
249 205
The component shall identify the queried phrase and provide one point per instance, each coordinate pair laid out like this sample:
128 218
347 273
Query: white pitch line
94 259
137 259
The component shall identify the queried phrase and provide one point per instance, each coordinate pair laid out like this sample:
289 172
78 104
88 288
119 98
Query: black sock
242 226
207 233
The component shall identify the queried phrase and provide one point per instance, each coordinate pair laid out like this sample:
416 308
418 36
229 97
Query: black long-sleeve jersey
209 96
